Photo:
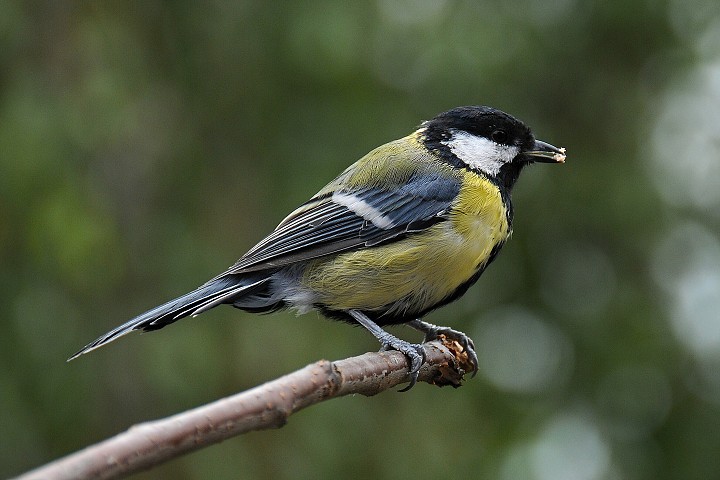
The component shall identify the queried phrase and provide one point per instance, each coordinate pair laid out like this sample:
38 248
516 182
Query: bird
403 231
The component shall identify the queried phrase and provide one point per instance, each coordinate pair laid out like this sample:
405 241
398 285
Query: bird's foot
414 352
433 332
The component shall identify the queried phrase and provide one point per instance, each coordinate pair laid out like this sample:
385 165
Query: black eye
499 136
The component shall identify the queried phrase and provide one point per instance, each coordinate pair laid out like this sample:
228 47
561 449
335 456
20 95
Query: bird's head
487 141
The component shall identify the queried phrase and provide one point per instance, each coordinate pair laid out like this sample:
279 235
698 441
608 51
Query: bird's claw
414 352
433 332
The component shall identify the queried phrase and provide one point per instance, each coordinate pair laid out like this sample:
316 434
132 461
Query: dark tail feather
213 293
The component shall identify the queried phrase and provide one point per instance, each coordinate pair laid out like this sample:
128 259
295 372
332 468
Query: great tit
404 230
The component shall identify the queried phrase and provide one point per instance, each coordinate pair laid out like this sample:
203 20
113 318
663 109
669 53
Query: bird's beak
546 153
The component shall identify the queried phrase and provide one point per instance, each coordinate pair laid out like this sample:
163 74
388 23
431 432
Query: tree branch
266 406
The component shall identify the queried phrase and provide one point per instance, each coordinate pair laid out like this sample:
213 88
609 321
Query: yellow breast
421 270
480 217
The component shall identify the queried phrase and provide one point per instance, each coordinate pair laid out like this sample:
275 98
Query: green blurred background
144 146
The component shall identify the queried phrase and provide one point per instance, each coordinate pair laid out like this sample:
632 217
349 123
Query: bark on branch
266 406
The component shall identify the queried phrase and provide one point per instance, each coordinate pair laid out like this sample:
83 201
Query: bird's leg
414 352
432 332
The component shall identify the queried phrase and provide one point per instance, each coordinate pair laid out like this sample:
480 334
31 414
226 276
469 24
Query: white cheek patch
480 153
363 209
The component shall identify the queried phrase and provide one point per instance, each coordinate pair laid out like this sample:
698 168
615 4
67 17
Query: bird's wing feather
349 217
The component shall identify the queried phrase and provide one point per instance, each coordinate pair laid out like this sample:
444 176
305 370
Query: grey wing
352 219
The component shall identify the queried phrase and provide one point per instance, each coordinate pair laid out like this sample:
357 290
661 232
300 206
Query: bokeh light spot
686 265
570 448
685 142
518 352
